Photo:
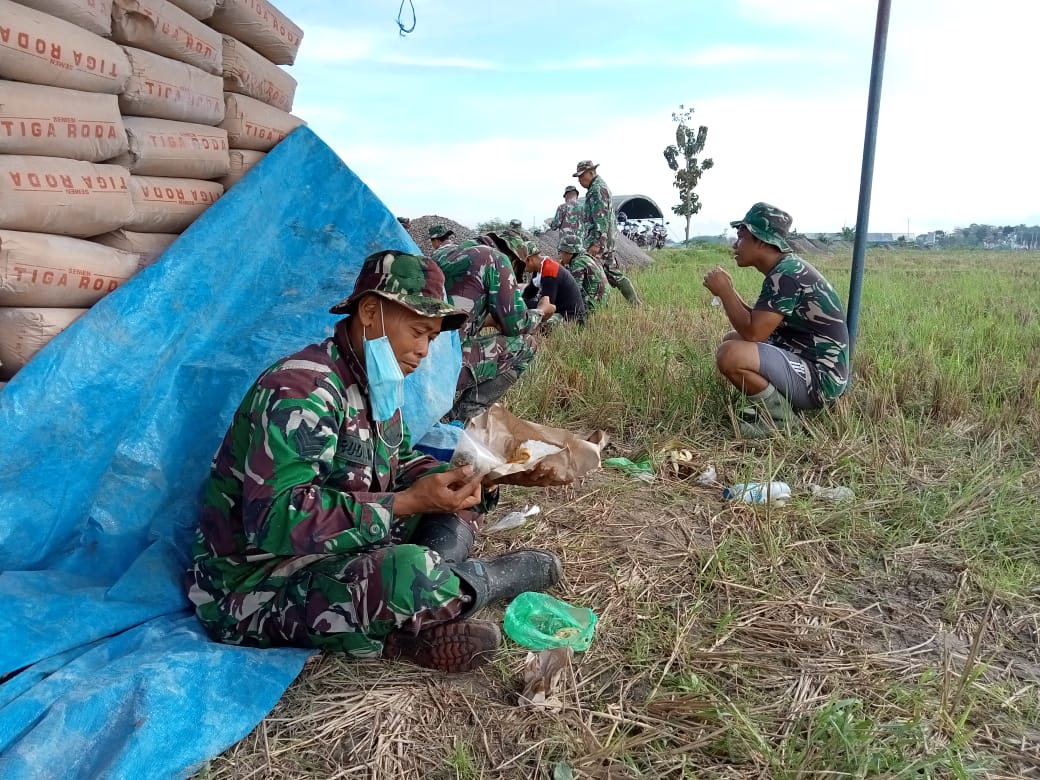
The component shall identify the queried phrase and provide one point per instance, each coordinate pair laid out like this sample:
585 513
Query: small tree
848 234
682 159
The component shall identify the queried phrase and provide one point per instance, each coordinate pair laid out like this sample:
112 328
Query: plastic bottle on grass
540 622
835 494
759 492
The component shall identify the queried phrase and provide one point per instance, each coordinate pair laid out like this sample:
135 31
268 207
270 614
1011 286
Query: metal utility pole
866 179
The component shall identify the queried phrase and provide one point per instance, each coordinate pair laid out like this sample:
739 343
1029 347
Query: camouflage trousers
613 270
485 357
344 602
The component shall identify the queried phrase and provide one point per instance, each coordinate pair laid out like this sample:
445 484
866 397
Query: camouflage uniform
479 279
568 217
599 229
814 326
297 543
586 272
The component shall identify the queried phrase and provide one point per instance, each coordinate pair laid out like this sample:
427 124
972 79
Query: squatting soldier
586 272
552 280
791 351
599 226
568 214
321 526
479 280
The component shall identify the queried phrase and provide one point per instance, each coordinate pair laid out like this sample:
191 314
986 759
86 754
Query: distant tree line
986 236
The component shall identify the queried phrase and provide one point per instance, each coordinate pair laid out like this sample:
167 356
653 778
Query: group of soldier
483 275
323 527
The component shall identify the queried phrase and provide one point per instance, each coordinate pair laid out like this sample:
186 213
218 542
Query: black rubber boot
445 534
476 400
507 576
458 646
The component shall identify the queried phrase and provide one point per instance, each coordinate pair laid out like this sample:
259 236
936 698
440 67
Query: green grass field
893 636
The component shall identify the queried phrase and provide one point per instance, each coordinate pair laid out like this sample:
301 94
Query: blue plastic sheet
105 441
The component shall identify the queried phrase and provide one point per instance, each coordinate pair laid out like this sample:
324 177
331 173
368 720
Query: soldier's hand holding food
718 281
443 491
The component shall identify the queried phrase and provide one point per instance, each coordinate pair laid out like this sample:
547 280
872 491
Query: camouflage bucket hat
532 248
767 223
414 281
570 188
585 165
439 231
510 243
516 224
571 243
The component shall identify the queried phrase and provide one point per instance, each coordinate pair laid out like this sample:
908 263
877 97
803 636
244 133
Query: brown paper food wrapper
503 433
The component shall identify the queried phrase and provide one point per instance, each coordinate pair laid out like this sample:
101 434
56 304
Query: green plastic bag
540 622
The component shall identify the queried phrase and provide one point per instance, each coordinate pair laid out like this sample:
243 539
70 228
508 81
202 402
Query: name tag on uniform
355 450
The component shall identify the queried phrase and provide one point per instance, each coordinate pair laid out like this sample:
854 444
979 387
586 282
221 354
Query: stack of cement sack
121 121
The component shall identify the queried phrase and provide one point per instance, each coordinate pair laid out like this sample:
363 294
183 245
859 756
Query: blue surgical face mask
385 380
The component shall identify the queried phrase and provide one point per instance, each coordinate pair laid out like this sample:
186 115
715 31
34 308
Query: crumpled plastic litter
641 469
515 519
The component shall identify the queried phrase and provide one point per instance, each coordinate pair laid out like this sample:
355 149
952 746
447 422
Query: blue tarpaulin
105 441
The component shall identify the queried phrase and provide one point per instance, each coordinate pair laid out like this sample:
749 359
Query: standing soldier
599 226
479 280
568 213
586 272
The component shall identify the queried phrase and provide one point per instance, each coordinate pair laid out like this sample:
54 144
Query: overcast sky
484 110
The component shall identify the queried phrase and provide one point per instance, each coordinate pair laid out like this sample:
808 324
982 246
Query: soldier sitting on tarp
479 278
791 351
322 527
589 274
552 280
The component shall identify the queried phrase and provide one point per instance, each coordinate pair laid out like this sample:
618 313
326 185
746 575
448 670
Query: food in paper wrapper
532 454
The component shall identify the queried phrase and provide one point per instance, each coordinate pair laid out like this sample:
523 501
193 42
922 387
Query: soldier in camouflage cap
322 527
791 350
586 272
516 224
480 278
568 214
440 233
599 228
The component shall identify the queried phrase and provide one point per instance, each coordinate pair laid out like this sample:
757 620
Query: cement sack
258 24
160 147
164 88
147 247
241 161
200 9
41 49
37 269
163 28
93 15
25 331
67 197
165 205
247 73
58 122
251 124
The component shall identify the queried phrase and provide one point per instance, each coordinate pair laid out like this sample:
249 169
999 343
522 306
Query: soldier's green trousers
347 603
617 279
485 357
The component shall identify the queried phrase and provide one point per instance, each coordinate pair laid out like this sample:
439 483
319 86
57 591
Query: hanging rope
400 25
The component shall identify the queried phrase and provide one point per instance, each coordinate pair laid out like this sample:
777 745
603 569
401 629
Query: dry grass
895 636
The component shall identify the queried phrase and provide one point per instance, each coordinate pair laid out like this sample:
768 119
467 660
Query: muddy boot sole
459 646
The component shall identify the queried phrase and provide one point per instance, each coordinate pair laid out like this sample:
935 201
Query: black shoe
446 535
507 576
